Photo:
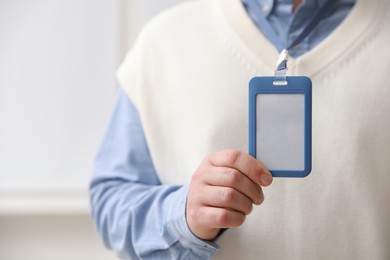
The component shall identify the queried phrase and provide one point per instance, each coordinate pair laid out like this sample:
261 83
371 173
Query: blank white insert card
280 125
280 131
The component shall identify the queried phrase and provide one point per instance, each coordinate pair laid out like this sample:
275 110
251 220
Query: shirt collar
322 2
266 6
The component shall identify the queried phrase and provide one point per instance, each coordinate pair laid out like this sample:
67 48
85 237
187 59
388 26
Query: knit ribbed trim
347 37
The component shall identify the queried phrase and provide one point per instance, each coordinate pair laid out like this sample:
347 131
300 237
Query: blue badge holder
280 125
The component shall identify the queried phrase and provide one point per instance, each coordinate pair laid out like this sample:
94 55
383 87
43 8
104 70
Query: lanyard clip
281 69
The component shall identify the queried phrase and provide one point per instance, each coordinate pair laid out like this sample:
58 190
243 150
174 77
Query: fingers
223 190
225 197
206 222
244 163
228 177
217 217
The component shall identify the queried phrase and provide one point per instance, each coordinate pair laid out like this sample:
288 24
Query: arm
136 215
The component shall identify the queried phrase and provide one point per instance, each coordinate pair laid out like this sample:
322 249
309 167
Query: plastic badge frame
295 85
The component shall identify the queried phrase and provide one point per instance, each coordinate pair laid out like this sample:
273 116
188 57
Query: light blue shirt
135 214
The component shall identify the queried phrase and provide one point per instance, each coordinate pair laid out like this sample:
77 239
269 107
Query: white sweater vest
188 75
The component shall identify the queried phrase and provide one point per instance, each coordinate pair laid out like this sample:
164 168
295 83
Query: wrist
177 226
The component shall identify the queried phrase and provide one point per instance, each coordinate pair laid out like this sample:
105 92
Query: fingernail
266 178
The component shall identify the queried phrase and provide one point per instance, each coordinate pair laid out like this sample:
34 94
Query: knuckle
240 220
261 196
234 176
194 197
249 209
228 219
191 195
231 156
206 159
223 218
198 174
261 199
228 194
192 215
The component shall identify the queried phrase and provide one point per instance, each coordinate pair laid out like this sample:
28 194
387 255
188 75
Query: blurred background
57 88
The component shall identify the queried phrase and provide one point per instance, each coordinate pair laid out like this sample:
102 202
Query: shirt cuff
177 225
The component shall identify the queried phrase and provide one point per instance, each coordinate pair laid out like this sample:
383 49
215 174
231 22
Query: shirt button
265 8
296 47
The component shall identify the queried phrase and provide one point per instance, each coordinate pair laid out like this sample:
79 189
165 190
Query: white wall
57 89
57 61
57 64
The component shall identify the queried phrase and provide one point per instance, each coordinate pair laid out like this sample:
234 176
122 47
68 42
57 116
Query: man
169 188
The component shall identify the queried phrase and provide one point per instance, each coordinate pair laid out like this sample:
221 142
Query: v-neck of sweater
348 36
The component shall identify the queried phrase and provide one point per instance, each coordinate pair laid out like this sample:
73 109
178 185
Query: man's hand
223 190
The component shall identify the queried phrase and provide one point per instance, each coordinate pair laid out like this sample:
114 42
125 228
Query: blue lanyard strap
260 20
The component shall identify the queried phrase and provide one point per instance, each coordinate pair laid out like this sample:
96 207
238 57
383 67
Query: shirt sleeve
135 214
